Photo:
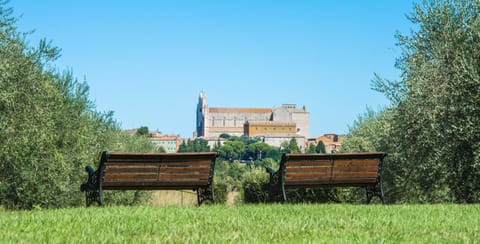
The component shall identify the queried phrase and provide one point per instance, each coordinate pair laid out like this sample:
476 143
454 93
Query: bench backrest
124 171
343 169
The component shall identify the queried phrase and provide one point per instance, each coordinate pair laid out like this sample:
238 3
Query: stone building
274 125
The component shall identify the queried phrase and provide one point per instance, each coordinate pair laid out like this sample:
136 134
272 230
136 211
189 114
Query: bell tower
202 114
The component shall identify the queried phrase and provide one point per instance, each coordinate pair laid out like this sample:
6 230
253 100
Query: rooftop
240 110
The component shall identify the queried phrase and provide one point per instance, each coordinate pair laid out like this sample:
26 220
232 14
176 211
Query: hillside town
273 126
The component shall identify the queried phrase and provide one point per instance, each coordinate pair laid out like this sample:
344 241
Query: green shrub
49 129
221 190
255 186
127 198
309 195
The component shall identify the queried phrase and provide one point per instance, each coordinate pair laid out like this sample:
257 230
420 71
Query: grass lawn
247 223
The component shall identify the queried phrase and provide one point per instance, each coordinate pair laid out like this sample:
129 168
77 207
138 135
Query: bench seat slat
305 181
308 176
170 182
364 162
327 163
314 175
161 164
156 181
358 180
335 169
144 186
156 169
342 162
308 169
321 182
355 175
118 177
356 169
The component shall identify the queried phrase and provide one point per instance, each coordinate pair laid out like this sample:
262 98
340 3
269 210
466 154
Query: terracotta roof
239 110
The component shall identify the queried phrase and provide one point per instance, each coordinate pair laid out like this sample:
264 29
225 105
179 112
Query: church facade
279 124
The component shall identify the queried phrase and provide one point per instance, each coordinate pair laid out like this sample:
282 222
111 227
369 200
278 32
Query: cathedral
273 125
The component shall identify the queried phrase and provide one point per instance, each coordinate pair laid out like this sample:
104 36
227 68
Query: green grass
247 223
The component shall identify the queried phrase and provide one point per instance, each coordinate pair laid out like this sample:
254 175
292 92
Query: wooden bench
327 170
151 171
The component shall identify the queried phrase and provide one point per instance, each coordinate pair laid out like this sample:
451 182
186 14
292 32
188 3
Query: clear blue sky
148 60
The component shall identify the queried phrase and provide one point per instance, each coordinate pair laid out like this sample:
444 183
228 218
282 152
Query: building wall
169 143
290 113
277 140
302 119
212 122
232 120
253 129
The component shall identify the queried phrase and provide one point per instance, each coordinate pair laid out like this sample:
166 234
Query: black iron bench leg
376 190
92 189
92 196
276 192
205 194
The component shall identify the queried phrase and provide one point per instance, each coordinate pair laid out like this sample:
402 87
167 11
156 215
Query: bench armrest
270 170
92 180
90 169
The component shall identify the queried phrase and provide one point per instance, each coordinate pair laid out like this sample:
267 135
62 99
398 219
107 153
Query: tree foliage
197 145
49 130
143 131
320 148
290 146
432 129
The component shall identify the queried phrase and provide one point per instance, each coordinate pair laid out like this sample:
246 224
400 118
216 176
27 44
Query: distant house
332 142
169 142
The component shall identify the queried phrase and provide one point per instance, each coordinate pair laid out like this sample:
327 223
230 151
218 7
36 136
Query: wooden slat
110 170
353 168
364 162
352 175
336 156
146 156
308 163
156 181
156 187
309 169
313 183
350 180
126 177
355 175
327 172
182 170
305 182
157 169
159 185
182 176
163 164
356 169
307 176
